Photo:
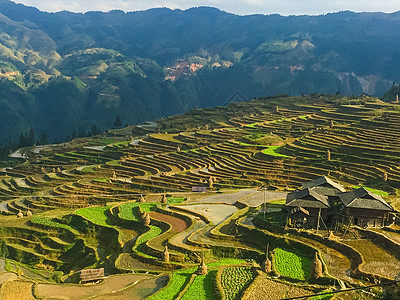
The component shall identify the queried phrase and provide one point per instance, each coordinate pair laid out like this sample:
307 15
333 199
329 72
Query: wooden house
327 187
304 206
364 208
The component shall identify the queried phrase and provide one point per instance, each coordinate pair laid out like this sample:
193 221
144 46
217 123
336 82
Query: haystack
202 269
141 198
147 220
266 265
384 177
166 254
210 182
316 267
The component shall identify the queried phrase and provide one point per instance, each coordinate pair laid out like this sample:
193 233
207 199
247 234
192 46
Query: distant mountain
61 73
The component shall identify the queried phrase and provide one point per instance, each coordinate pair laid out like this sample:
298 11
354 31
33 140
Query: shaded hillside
74 71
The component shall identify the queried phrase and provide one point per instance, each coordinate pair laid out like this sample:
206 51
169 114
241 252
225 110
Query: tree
3 249
31 137
21 141
95 130
117 122
43 139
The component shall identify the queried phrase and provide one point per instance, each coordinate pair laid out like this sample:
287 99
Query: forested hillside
63 73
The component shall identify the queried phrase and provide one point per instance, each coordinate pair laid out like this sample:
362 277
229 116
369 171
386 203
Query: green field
274 151
202 287
96 215
234 280
50 223
180 278
292 265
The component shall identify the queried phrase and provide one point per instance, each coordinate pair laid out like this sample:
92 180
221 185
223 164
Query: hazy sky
284 7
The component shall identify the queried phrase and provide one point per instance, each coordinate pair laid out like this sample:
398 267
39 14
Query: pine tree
117 122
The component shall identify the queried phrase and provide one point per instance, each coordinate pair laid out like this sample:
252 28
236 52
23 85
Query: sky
241 7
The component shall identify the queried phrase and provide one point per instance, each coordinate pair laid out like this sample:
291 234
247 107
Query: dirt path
257 198
77 292
7 276
229 198
251 197
216 213
181 238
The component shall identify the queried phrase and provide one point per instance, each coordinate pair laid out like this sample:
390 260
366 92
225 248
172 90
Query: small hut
90 275
164 199
20 214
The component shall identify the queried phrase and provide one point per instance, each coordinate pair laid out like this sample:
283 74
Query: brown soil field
76 292
264 288
177 225
127 262
141 290
377 260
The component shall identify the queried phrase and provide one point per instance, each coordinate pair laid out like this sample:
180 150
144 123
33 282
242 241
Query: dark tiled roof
325 186
362 198
307 198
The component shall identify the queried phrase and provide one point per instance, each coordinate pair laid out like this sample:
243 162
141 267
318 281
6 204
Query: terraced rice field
100 203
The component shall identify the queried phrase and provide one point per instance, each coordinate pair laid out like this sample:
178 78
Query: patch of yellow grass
16 290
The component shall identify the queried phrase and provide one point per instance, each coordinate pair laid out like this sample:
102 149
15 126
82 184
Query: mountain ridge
91 67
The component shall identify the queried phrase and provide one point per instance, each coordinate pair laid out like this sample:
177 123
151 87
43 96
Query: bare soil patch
264 288
141 290
76 292
216 213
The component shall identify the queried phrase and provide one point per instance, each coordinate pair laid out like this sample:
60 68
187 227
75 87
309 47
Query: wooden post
265 201
319 216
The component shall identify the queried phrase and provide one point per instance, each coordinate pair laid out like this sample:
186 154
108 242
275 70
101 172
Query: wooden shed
89 275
